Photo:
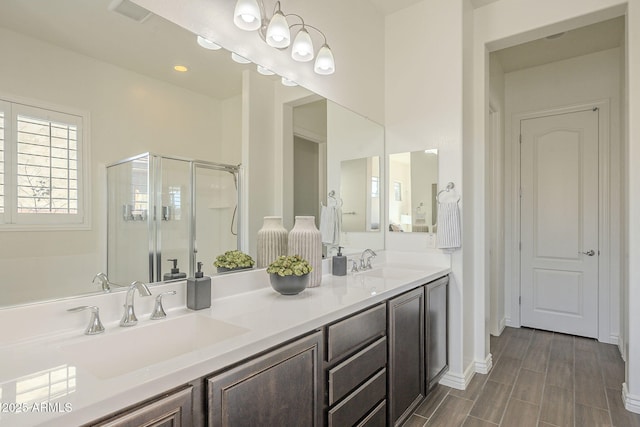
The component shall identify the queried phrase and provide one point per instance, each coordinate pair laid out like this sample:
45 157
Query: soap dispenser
339 264
175 272
199 290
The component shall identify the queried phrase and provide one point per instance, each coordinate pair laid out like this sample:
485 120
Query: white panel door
559 223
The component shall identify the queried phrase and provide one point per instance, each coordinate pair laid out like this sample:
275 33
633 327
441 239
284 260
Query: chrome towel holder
450 186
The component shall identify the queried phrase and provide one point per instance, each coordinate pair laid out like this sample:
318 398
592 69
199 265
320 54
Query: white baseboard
620 344
501 325
457 380
511 324
631 402
484 366
612 339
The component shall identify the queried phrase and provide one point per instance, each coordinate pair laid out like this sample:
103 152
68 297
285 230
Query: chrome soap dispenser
199 290
339 264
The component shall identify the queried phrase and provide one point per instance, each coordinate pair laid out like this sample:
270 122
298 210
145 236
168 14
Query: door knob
590 252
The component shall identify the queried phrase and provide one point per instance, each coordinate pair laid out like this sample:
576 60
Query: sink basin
387 272
123 350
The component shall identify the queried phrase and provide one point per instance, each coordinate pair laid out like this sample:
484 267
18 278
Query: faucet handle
354 266
95 325
158 310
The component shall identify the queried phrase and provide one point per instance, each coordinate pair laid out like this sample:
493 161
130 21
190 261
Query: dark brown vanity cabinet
437 303
356 372
173 409
281 388
407 357
369 369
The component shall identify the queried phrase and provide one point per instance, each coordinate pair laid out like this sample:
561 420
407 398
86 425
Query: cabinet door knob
590 252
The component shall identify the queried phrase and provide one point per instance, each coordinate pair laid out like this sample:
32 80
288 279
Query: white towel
330 224
449 226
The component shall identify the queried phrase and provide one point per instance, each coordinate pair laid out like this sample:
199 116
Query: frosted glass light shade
278 34
265 71
325 64
208 44
302 50
247 15
239 59
287 82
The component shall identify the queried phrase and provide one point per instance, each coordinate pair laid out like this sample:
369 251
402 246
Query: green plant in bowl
233 260
289 275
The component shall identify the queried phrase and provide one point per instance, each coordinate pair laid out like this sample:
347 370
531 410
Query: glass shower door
130 225
173 215
216 213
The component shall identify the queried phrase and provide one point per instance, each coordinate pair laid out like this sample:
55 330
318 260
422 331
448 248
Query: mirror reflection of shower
216 201
161 207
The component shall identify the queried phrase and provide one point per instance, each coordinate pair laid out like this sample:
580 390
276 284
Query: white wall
576 81
259 154
631 389
130 114
354 31
423 109
495 200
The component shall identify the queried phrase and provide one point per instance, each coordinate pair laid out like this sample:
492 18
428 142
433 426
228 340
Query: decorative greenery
234 259
289 266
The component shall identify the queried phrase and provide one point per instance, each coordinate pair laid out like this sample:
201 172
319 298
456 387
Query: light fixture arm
308 26
276 32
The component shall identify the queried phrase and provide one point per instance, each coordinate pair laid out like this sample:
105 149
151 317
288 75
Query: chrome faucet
158 309
129 317
95 326
365 263
104 281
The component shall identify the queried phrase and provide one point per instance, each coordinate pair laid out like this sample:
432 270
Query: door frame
604 215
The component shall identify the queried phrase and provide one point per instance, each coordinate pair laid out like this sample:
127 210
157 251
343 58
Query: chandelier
249 15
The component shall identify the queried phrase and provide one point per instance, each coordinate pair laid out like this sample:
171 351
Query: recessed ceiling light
181 68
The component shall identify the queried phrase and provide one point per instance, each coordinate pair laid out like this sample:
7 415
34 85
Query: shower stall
164 208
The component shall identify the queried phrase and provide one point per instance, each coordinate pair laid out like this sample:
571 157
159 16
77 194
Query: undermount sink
388 272
123 350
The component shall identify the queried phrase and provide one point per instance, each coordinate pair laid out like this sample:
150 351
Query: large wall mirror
360 190
412 191
121 73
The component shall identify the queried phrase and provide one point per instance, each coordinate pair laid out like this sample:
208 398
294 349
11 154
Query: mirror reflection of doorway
309 158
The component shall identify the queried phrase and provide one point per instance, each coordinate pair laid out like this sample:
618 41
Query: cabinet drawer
347 375
350 334
360 402
377 417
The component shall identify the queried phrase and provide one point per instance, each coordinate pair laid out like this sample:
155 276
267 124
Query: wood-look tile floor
538 378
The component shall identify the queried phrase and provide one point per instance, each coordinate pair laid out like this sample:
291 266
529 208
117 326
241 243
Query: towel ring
450 186
332 196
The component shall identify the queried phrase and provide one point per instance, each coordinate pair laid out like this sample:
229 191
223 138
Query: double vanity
363 349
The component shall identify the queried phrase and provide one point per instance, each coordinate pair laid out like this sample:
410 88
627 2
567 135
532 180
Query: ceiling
150 48
581 41
388 7
153 47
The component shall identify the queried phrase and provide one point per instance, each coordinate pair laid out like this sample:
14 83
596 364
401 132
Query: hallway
539 378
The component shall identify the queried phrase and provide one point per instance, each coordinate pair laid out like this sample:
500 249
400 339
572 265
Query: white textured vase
272 241
306 240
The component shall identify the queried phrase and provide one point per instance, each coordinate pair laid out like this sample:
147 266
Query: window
375 186
41 167
397 191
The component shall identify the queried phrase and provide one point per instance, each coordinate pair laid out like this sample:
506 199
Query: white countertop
44 369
